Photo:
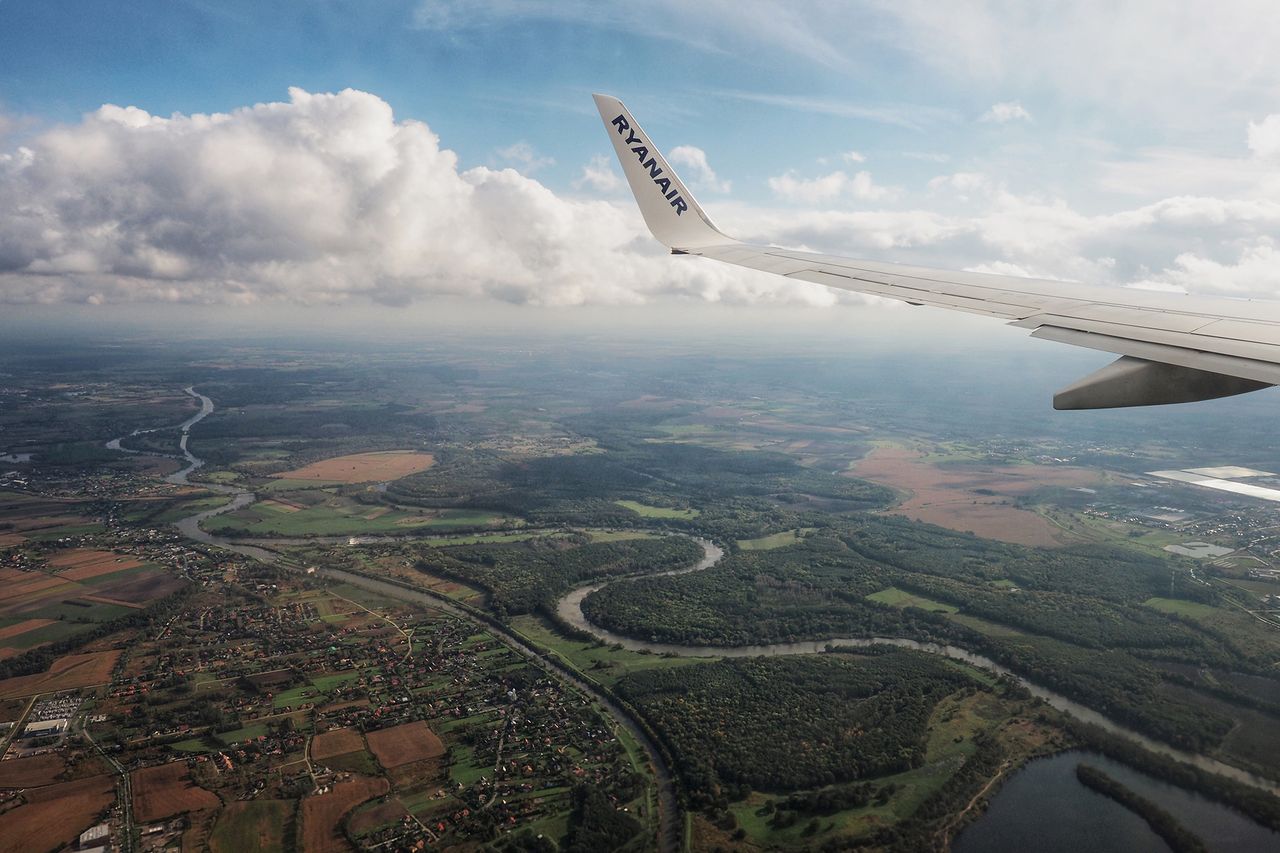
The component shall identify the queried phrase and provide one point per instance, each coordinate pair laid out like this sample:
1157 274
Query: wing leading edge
1172 348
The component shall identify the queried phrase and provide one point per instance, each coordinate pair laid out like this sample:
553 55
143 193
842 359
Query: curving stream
569 608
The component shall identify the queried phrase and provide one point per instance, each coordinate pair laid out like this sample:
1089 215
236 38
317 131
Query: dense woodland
523 576
786 724
1100 648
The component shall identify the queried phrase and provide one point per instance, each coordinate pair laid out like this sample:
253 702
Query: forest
521 577
1099 649
787 724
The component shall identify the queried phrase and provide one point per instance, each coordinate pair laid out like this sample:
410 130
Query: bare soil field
56 814
68 672
336 742
404 744
78 563
948 498
31 772
7 539
140 588
322 815
166 790
363 467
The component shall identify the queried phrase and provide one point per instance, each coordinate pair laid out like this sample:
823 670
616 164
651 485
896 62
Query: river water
1044 808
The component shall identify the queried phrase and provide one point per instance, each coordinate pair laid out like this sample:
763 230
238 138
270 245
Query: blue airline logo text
641 150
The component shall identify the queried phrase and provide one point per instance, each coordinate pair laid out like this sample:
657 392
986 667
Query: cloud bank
322 199
328 198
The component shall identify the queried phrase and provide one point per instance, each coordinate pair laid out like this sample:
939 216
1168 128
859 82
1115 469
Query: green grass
777 540
240 735
340 516
294 697
287 485
50 534
195 744
465 769
602 663
326 683
252 825
647 511
901 598
618 535
1181 607
358 761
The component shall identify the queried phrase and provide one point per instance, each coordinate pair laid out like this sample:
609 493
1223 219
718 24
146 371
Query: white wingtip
669 209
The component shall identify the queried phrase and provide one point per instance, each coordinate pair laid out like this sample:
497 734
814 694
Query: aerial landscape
281 595
574 427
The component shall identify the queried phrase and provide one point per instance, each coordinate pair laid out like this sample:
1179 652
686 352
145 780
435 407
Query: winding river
569 608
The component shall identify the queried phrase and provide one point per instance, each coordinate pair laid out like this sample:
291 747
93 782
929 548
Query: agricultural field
166 790
337 515
404 744
322 814
53 816
981 499
60 593
362 467
69 672
649 511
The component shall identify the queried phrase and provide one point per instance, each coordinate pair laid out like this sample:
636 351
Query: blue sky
1126 144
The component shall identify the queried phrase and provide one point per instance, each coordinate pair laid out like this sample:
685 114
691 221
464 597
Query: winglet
668 207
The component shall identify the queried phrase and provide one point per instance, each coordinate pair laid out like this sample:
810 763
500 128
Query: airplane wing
1173 348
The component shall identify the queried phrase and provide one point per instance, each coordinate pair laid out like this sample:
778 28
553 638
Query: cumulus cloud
698 170
324 198
1005 112
1264 137
828 188
854 156
328 198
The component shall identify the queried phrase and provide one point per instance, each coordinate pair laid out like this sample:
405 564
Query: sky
402 154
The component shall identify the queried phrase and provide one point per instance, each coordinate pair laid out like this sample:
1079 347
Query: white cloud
523 158
329 198
600 174
1264 137
1005 112
854 157
323 199
827 188
699 171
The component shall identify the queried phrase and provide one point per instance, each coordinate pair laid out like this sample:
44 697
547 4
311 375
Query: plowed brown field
322 815
166 790
404 744
56 814
363 467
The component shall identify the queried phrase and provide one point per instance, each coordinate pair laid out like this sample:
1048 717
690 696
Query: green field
602 663
241 735
648 511
252 825
618 535
1183 608
343 516
777 540
901 598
